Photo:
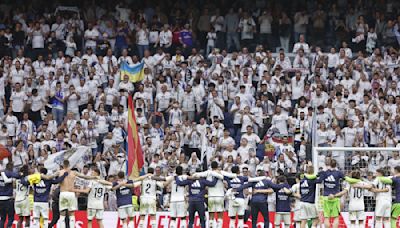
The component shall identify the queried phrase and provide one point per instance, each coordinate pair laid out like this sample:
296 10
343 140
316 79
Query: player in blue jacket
282 195
41 196
258 202
197 190
6 195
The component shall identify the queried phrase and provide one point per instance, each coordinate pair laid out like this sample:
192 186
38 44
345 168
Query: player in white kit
22 207
216 195
355 193
177 205
96 191
148 198
295 190
383 196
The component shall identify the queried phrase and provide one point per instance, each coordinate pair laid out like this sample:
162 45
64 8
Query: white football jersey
218 189
384 196
177 192
96 195
356 197
149 188
21 191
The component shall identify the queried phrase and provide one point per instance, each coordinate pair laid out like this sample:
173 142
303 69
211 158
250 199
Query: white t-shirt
18 101
252 140
165 38
91 36
163 100
280 122
142 37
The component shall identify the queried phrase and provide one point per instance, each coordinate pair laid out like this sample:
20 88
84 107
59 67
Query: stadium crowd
221 85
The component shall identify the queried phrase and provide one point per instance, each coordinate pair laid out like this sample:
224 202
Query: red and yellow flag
135 153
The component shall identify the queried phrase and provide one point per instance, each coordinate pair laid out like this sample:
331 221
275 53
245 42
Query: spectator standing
231 26
265 21
247 28
217 21
142 39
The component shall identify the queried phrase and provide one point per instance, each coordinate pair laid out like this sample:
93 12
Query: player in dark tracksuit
258 202
282 196
6 196
197 189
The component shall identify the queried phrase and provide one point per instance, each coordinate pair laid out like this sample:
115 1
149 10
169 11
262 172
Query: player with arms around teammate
307 206
177 203
355 191
6 195
282 202
216 195
96 191
259 199
22 207
41 192
197 189
331 205
383 196
123 189
68 201
236 200
148 198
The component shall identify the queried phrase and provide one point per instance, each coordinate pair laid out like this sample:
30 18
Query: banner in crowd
110 220
134 150
75 156
136 73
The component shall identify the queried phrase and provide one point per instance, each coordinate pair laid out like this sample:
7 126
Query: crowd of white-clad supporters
193 108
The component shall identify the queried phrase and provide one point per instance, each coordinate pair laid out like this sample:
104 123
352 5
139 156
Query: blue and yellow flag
136 73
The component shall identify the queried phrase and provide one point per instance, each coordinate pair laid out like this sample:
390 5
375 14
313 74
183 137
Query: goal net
364 159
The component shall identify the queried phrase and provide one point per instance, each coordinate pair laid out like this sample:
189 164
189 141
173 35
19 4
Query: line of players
188 196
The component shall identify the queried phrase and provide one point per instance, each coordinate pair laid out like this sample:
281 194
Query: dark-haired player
177 205
216 195
197 189
96 191
41 192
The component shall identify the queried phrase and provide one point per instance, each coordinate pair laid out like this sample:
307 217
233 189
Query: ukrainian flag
136 73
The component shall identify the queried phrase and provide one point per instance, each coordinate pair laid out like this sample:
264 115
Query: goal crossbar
316 149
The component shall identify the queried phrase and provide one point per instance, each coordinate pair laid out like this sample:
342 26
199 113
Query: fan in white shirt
252 138
280 121
301 45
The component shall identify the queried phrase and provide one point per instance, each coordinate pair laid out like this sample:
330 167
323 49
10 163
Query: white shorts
125 212
68 201
95 213
383 209
22 208
356 215
236 206
148 206
178 209
296 213
282 216
40 209
215 204
307 211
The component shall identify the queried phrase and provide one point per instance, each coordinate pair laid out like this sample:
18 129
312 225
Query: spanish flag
135 153
136 73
